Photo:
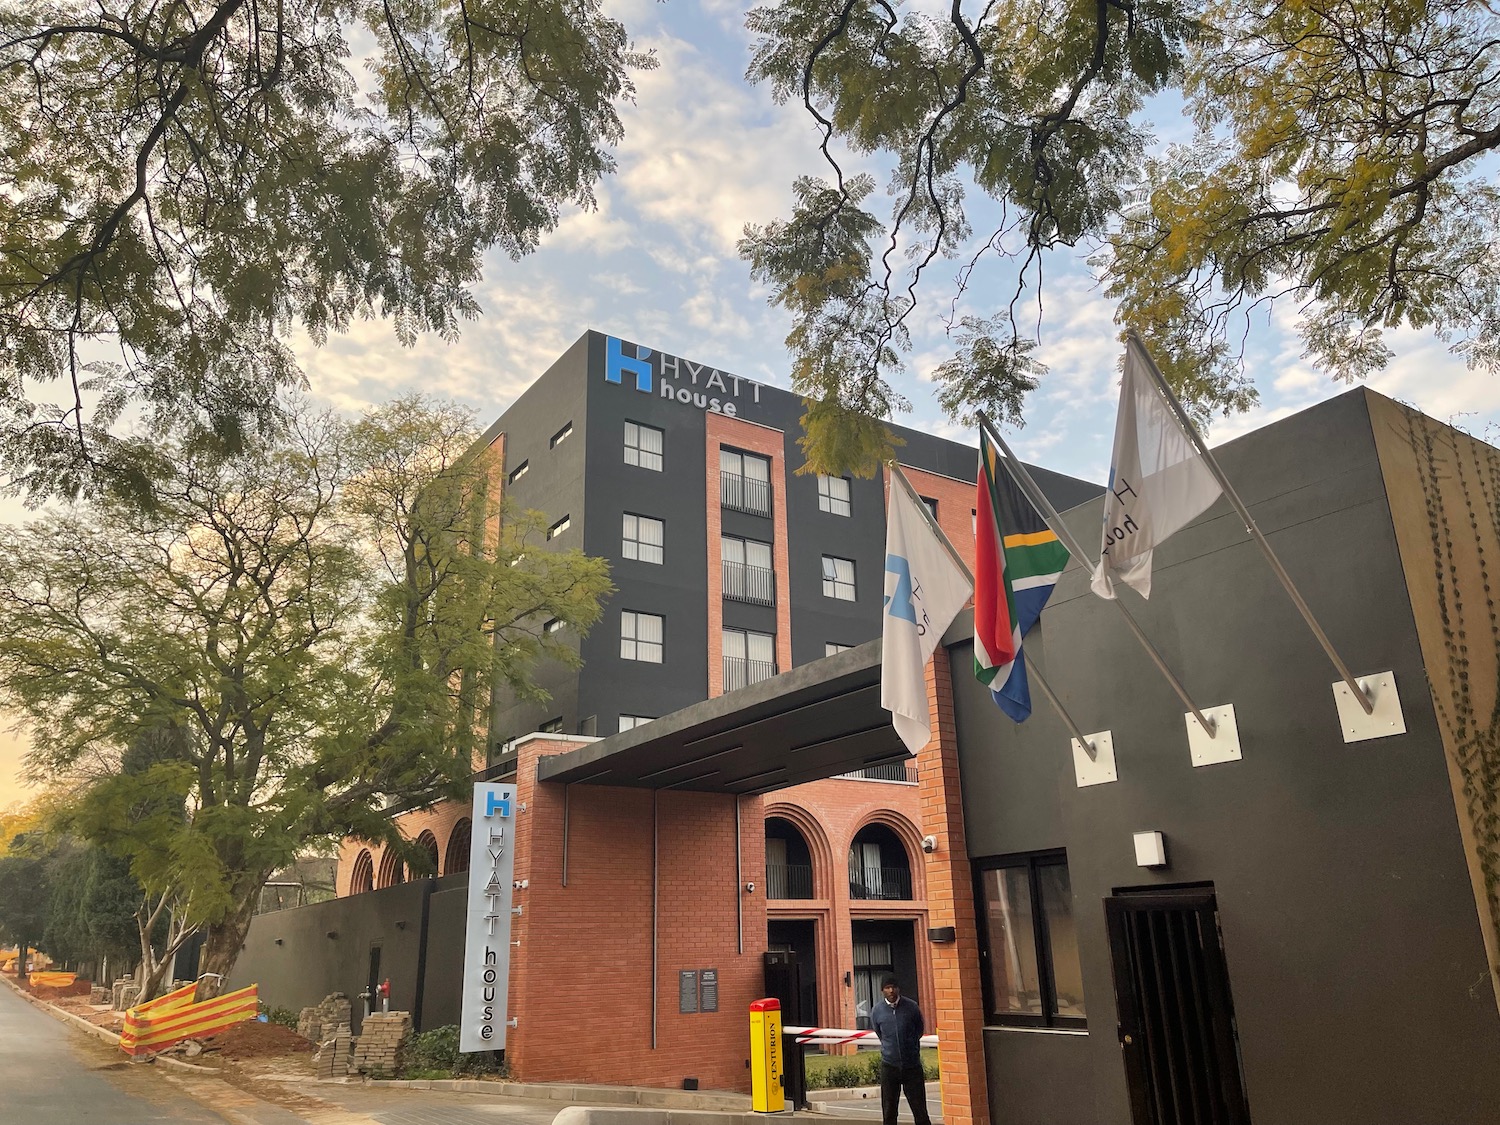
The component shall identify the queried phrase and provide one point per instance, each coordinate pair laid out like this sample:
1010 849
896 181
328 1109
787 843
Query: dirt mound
255 1040
46 992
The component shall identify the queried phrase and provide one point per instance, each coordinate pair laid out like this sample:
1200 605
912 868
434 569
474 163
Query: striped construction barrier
169 1019
836 1036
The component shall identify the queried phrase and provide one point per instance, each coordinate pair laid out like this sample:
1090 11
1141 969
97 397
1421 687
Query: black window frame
559 527
638 451
562 435
1031 862
639 542
827 501
519 471
836 582
745 502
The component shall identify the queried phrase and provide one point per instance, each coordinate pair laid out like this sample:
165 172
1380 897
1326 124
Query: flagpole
1250 525
1022 476
942 536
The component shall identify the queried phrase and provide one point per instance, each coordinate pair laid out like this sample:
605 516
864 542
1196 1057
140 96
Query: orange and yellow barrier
52 980
168 1019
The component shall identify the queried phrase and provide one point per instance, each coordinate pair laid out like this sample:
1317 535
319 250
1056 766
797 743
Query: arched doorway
789 872
429 845
392 870
362 878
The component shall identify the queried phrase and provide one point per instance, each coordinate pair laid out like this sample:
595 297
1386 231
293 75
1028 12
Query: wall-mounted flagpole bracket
1098 769
1385 717
1222 744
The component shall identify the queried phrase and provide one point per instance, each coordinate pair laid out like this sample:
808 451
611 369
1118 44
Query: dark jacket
900 1030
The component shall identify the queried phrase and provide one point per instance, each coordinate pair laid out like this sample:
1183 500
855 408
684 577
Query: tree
321 617
24 895
185 182
1337 164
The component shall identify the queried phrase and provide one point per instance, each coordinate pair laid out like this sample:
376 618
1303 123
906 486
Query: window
643 446
930 504
838 578
745 482
559 527
642 538
553 625
1031 969
551 726
641 636
630 722
748 658
520 471
561 436
746 575
833 648
833 495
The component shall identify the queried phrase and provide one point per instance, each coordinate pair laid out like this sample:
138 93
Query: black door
1177 1033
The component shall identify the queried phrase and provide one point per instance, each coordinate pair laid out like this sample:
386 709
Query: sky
704 154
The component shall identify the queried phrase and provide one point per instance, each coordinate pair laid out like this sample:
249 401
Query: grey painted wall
1349 926
308 964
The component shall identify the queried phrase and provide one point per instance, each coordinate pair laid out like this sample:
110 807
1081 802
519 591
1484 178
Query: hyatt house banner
492 864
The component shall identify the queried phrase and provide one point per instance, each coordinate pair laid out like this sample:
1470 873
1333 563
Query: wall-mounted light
400 925
278 941
1150 849
333 935
847 980
940 934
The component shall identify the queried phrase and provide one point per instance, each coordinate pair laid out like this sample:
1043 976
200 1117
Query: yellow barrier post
766 1094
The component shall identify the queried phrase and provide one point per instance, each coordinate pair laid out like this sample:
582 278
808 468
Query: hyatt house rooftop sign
682 380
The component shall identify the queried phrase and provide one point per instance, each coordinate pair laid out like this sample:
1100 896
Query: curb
638 1099
110 1037
615 1115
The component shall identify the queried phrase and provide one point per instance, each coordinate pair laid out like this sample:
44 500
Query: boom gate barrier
766 1094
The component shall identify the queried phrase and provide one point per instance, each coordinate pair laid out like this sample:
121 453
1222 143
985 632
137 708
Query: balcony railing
893 771
745 583
745 494
789 880
738 672
879 882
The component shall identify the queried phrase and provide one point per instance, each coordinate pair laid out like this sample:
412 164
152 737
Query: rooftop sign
682 380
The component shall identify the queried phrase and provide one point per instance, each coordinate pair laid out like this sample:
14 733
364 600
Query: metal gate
1177 1033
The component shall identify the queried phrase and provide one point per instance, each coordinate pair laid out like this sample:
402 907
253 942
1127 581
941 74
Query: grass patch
843 1071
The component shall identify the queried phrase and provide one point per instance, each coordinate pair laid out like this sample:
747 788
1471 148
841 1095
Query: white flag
1158 482
924 590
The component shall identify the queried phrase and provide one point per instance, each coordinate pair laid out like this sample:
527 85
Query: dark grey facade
1359 978
585 477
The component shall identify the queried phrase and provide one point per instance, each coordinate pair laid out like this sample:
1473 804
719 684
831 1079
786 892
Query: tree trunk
221 946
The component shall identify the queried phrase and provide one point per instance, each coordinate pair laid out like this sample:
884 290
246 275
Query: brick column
959 1001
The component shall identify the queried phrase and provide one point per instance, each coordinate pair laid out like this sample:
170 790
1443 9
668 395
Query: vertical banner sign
492 865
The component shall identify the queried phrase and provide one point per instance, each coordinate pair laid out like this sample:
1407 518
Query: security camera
929 844
749 888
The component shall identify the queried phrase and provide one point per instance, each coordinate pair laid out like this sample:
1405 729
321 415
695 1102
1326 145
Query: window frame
635 721
833 648
827 501
562 435
1031 863
746 480
638 450
837 583
625 538
519 471
635 639
559 527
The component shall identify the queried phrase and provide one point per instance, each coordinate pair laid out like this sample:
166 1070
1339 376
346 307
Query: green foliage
283 642
282 1016
842 1072
1339 164
184 184
25 893
435 1054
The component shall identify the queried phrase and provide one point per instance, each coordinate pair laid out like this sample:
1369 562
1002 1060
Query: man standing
898 1022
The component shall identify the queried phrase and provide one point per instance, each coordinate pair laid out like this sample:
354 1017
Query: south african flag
1019 560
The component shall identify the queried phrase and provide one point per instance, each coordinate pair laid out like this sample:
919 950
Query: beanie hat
889 978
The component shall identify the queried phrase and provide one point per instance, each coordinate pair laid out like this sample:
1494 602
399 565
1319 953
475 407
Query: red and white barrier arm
835 1036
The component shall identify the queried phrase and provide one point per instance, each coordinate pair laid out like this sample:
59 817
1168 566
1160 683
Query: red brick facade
581 976
748 437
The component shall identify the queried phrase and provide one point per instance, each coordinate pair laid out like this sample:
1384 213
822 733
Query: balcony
739 672
745 583
879 883
789 880
745 494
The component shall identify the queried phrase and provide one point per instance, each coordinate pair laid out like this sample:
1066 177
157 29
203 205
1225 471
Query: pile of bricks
320 1022
381 1042
124 994
332 1061
101 995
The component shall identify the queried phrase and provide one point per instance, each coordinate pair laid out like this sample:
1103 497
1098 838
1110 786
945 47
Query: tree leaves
184 184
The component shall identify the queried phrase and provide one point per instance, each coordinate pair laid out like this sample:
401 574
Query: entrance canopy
812 722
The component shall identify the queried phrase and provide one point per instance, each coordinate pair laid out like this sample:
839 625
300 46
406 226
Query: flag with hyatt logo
1018 561
1157 481
924 590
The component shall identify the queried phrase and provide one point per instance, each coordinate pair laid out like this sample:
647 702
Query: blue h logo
493 802
616 363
